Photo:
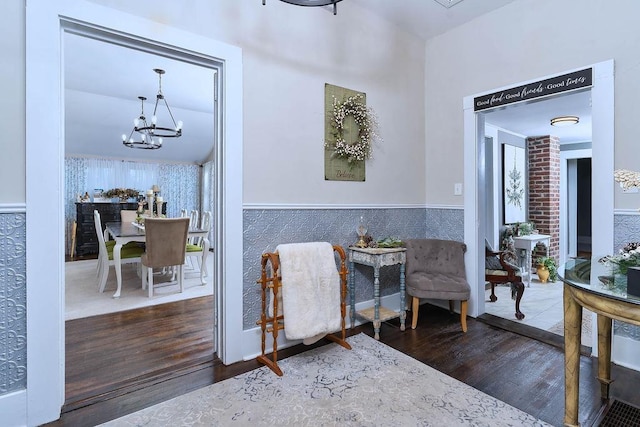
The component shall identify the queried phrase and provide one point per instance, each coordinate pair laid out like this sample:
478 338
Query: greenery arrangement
366 120
550 264
628 256
121 193
390 242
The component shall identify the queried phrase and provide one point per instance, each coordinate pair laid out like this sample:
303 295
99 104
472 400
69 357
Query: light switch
457 189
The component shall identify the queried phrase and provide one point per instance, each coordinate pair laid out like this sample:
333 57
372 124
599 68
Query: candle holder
361 229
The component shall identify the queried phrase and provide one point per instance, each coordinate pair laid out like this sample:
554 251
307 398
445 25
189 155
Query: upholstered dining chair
435 270
128 215
130 253
165 242
501 268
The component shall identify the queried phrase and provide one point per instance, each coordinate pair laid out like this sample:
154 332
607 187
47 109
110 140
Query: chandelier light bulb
136 122
179 127
124 137
154 119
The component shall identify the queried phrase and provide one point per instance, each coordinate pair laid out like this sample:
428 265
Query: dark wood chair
500 269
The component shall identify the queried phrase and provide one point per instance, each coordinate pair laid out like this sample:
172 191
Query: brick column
544 189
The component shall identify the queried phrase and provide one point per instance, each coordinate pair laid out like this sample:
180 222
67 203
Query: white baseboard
13 407
252 337
625 352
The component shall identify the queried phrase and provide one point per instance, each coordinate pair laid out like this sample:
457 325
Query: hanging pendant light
151 134
145 142
312 3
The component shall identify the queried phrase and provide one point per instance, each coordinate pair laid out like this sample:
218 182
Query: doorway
185 169
45 175
549 169
474 202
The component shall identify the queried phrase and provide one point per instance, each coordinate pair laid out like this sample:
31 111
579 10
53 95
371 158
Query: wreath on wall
367 123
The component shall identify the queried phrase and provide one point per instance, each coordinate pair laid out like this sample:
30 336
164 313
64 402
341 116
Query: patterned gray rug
370 385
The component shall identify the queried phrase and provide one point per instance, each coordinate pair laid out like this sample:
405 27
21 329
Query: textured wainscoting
626 229
13 302
264 229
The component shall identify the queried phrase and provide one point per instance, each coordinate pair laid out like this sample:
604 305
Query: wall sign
564 83
339 168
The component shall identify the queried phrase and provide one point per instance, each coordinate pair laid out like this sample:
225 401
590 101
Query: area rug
370 385
82 298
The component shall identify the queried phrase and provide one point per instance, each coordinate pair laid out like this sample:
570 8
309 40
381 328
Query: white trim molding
13 407
7 208
626 212
290 206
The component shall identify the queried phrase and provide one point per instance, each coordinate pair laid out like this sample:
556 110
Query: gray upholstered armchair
435 269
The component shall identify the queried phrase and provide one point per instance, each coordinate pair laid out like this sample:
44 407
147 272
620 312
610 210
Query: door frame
568 202
45 176
602 95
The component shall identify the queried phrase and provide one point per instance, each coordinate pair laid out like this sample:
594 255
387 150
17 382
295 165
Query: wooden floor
120 363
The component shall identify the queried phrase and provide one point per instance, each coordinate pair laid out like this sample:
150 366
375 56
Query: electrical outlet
457 189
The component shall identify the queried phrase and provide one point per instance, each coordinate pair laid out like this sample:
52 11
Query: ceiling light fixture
565 120
312 3
151 135
448 3
146 142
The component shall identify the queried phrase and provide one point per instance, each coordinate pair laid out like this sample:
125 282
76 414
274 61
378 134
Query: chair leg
519 290
103 274
450 306
74 228
144 276
150 284
415 305
181 277
464 305
493 297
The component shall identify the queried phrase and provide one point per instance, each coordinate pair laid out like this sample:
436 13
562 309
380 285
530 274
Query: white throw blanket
310 290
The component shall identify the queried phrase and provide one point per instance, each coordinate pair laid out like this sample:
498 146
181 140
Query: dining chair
165 242
128 255
195 250
128 215
194 217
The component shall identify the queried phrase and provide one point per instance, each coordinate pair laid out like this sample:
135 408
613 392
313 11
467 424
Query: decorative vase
543 273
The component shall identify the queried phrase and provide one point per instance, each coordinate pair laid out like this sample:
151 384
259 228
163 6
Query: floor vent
620 414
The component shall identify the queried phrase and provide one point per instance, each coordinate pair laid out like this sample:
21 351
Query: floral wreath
367 123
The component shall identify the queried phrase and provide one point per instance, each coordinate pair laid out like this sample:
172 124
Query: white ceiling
102 85
103 81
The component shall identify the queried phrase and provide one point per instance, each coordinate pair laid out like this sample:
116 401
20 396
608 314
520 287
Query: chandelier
312 3
151 134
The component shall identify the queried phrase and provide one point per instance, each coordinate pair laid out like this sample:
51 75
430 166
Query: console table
527 243
376 258
584 286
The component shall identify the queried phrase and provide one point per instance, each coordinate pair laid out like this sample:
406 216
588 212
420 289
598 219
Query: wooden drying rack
271 279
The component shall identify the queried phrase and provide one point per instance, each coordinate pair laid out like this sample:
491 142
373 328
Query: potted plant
547 269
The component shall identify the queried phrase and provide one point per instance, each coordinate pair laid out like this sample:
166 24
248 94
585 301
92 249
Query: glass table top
595 277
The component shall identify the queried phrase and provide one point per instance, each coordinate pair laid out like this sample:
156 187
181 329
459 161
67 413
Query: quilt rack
271 280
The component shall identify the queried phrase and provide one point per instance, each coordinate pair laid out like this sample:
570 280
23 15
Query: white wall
289 53
12 103
521 41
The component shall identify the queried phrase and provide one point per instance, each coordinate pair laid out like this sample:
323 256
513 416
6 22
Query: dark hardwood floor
120 363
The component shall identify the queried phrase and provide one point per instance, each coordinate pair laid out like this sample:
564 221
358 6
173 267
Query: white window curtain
108 174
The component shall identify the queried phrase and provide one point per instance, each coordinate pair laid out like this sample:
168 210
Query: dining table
125 232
